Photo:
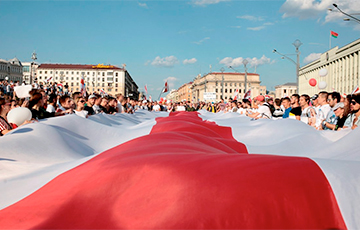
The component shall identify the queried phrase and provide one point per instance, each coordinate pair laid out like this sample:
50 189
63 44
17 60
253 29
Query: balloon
322 85
323 72
18 115
6 78
312 82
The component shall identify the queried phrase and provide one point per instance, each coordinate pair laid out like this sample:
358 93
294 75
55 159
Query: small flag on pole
236 94
247 94
166 88
334 34
355 91
146 91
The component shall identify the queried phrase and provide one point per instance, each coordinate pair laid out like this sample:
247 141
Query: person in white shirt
156 107
263 110
324 108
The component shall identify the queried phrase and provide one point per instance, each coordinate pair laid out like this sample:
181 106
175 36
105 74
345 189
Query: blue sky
175 40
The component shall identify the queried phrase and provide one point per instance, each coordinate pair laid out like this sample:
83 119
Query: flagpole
330 41
161 93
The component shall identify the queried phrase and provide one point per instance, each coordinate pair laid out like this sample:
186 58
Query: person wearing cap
263 110
338 122
353 120
89 104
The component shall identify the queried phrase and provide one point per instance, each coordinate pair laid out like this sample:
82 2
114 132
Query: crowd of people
323 111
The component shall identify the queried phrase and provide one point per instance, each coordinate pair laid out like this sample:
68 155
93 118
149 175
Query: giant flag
179 170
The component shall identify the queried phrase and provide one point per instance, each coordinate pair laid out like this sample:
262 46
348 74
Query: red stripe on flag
334 34
182 175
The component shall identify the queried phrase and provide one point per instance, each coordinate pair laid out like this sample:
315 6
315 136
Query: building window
225 91
103 84
72 72
216 90
103 79
67 72
116 74
56 72
116 80
225 84
77 73
39 72
230 91
284 90
88 73
116 84
103 74
72 78
67 78
98 84
230 85
72 84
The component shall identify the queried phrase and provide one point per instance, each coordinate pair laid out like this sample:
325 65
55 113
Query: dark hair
277 101
52 97
356 98
285 99
324 94
34 99
335 95
296 95
306 97
63 98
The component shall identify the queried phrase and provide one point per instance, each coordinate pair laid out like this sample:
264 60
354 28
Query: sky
175 41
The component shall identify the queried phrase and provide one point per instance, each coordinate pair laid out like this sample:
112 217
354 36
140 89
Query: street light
34 58
297 43
245 62
349 15
222 82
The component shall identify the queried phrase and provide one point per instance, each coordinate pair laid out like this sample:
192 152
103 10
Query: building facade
172 96
29 71
110 79
285 90
185 92
11 70
224 85
342 66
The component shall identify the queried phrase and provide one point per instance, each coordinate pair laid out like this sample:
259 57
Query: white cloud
252 62
256 28
304 9
171 81
189 61
169 61
251 18
312 57
201 41
143 5
207 2
237 27
268 24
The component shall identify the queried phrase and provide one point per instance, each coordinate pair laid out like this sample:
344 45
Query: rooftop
77 66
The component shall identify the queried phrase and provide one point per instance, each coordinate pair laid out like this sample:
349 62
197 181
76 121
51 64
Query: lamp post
245 62
222 82
34 58
297 43
349 15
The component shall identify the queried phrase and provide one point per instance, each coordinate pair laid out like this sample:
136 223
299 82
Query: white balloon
6 78
322 85
19 115
323 72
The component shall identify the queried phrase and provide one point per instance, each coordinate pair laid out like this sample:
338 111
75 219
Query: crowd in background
323 111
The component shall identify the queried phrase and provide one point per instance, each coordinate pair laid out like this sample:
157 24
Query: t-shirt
264 112
305 115
287 112
296 111
82 113
50 108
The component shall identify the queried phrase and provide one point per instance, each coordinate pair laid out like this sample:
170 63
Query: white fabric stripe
34 154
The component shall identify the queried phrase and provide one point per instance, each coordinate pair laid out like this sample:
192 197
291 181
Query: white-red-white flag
146 90
82 86
236 93
128 170
166 87
247 94
355 91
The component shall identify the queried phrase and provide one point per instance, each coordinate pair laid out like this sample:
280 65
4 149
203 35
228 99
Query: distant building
29 71
224 85
342 66
185 92
107 78
172 96
285 90
12 70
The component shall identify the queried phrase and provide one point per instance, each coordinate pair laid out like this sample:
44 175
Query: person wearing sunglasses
80 105
353 120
